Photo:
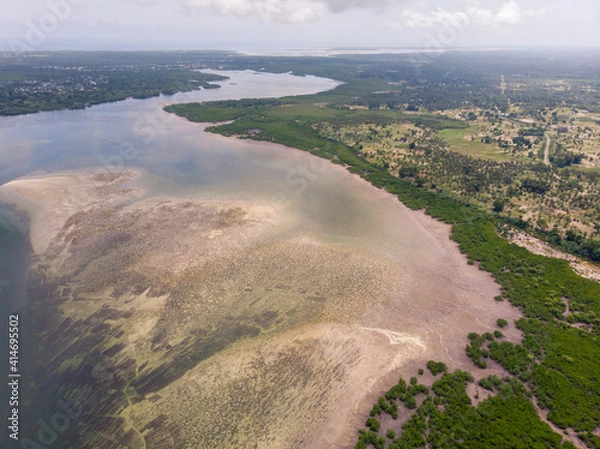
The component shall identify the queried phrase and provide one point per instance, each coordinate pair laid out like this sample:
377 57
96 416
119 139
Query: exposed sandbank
336 323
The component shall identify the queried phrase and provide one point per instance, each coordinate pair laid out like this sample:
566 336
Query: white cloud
343 5
268 10
298 11
283 11
511 13
416 19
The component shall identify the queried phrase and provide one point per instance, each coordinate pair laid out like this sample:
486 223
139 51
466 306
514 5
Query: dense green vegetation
436 367
402 81
446 417
450 80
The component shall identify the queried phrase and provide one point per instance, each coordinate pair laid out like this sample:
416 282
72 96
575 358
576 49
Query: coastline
449 345
381 319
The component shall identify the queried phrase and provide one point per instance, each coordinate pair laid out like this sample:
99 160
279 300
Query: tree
498 205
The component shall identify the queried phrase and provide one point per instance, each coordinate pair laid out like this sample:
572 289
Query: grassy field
467 142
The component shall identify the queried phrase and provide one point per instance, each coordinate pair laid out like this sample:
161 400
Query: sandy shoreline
443 341
536 246
338 323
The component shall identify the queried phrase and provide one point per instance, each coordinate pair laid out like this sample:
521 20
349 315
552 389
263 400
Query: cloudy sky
278 25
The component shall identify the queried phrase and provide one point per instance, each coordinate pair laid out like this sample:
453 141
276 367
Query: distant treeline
27 86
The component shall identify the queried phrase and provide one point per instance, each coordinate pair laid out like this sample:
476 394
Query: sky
281 25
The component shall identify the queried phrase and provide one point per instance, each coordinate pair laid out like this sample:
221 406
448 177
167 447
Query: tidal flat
237 322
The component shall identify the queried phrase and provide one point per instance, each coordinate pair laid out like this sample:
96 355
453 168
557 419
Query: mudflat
241 323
